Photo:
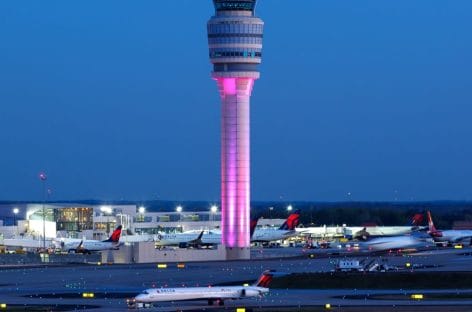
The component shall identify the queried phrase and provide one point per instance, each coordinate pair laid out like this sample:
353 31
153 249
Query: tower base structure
238 253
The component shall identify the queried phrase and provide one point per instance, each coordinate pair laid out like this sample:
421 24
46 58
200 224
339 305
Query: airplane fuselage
453 236
268 235
90 245
174 239
260 235
394 243
199 293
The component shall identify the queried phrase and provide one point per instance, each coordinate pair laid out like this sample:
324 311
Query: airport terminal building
77 220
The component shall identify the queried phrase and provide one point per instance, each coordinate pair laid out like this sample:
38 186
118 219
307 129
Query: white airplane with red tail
88 246
214 294
448 237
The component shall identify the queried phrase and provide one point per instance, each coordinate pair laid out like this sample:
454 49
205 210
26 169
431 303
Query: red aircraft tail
115 236
292 221
417 219
432 229
265 279
252 225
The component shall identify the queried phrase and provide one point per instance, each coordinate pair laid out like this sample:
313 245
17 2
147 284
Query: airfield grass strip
386 280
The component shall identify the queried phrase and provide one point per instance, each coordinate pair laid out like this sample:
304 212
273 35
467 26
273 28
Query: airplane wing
198 239
80 246
461 238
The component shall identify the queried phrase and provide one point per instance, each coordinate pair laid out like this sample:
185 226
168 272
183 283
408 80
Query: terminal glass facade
74 219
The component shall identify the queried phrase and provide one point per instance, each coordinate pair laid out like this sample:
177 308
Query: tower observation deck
235 46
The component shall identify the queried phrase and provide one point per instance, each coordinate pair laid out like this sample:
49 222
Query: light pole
142 210
289 208
15 212
43 178
179 210
213 210
270 212
107 211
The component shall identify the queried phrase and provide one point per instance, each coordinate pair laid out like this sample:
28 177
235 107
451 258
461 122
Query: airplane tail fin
79 247
363 235
199 238
431 228
292 221
417 219
265 279
115 236
252 225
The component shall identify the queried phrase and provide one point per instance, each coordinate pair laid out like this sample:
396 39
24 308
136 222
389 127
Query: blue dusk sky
114 100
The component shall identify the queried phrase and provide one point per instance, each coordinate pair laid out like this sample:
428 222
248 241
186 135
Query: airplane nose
139 298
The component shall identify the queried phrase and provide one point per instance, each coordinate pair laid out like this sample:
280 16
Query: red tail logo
115 236
252 225
292 221
265 279
417 219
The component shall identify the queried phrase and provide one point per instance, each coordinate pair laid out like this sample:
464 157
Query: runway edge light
3 305
240 309
327 306
417 296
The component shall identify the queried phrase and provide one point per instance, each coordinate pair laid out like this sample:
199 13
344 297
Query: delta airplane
182 240
88 246
370 232
215 294
411 239
286 230
212 238
396 243
448 237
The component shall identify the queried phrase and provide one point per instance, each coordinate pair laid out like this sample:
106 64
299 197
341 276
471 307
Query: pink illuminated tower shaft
235 48
235 160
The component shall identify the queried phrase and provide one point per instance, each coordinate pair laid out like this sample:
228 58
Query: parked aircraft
370 232
88 246
286 230
399 242
211 238
213 294
183 240
447 237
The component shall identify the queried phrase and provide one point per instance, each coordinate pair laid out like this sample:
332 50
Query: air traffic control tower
235 42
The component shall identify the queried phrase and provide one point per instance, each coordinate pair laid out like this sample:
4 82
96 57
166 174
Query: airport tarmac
111 284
